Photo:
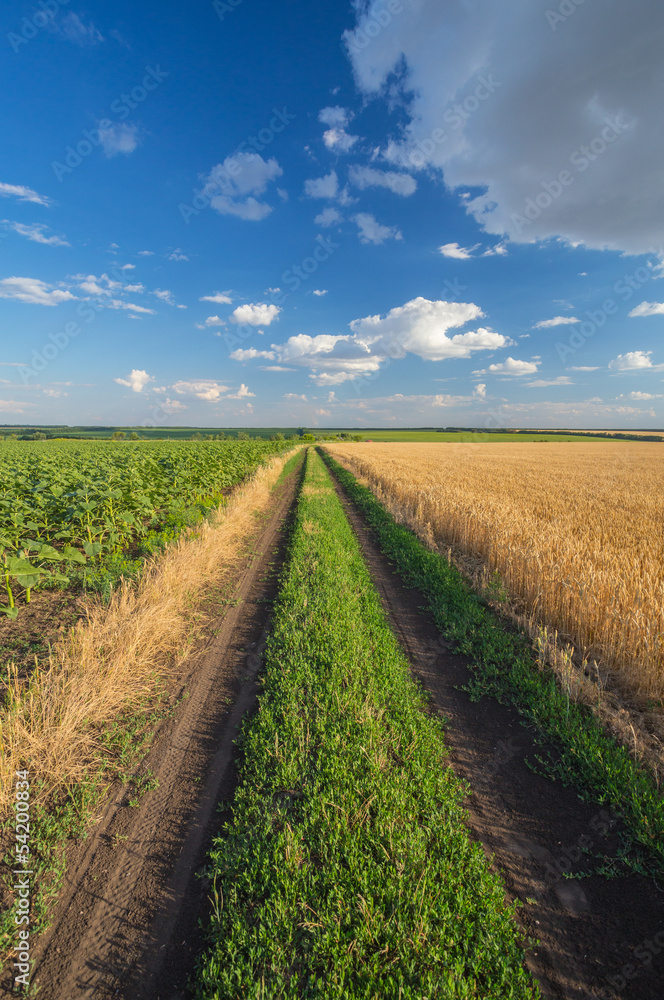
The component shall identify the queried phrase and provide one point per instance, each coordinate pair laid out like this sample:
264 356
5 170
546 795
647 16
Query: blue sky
376 214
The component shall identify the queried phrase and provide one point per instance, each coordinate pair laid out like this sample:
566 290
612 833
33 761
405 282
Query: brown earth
598 937
126 924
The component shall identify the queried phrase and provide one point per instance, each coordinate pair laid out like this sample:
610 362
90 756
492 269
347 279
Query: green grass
504 666
346 869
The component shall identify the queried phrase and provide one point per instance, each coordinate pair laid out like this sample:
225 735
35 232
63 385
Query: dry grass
575 532
112 660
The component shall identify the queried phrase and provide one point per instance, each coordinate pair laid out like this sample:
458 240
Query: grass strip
505 667
346 870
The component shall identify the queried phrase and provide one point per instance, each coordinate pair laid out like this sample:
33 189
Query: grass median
346 869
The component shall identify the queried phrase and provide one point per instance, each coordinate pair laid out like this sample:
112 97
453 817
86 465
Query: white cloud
475 81
221 298
136 380
499 250
320 291
419 327
456 252
119 137
338 140
510 366
541 383
146 253
249 353
74 30
277 368
323 413
334 117
322 187
206 388
583 368
160 293
233 186
215 321
118 304
480 390
641 395
34 291
544 324
242 393
139 289
294 395
648 309
23 193
36 232
328 217
364 177
371 231
633 361
255 314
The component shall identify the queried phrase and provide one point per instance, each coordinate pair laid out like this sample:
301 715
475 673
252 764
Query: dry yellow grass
112 660
575 531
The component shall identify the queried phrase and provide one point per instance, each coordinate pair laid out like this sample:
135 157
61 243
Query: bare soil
128 921
598 937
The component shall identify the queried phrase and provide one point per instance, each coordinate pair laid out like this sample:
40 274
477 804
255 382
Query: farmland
273 760
574 533
72 506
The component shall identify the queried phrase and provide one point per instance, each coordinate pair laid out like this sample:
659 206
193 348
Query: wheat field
575 532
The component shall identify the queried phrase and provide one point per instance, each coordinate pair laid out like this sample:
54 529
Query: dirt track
126 922
588 928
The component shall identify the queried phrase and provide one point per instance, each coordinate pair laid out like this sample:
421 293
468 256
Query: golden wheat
575 532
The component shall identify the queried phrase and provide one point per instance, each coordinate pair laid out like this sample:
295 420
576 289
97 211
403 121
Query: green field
76 506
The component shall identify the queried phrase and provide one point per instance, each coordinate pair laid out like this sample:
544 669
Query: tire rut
126 924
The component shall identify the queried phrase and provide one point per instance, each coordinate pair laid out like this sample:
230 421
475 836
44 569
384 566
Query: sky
385 214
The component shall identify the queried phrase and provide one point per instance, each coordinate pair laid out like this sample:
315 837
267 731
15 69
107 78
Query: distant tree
278 436
196 437
220 436
133 436
308 437
357 437
39 436
243 436
119 436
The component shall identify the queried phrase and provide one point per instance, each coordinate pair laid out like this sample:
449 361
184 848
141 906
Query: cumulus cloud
480 390
364 177
475 80
255 314
36 232
371 231
544 324
511 367
633 361
295 395
234 185
33 291
23 193
221 298
136 380
419 327
119 137
334 117
322 187
320 291
456 252
206 389
242 393
642 395
249 353
336 138
215 321
176 255
648 309
328 217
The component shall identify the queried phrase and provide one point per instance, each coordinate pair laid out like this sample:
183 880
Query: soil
25 640
127 923
598 937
